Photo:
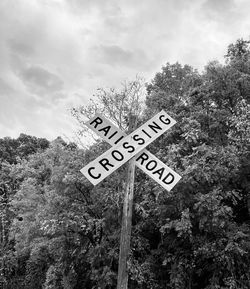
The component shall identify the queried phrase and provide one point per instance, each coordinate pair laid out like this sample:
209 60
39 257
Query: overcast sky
54 54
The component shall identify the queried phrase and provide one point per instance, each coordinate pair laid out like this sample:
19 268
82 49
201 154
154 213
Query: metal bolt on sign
124 148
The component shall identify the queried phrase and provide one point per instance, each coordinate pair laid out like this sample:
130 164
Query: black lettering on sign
120 138
105 129
92 176
168 182
159 172
165 121
154 127
105 163
149 166
146 133
140 140
143 157
117 155
113 134
130 148
96 121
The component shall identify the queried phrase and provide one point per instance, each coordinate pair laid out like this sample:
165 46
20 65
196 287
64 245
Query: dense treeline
58 231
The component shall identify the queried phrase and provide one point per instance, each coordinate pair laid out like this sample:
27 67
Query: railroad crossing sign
124 147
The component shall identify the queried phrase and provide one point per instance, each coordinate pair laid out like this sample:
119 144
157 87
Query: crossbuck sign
124 147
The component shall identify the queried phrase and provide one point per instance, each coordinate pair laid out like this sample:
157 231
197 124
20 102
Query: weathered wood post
122 282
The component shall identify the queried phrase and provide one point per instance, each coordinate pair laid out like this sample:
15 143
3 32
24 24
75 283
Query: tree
116 105
11 151
205 218
238 50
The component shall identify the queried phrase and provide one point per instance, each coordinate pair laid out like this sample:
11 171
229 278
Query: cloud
41 81
218 7
113 54
116 56
105 7
56 53
21 47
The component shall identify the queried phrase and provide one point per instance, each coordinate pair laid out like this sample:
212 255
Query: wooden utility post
122 282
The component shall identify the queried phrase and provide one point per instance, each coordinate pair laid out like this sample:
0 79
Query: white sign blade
127 147
157 170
